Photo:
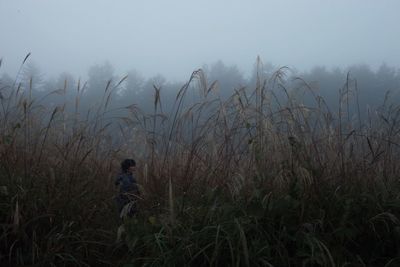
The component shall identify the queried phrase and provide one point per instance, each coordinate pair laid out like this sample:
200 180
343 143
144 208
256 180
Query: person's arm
117 180
135 187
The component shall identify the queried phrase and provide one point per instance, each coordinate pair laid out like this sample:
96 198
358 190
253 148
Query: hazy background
175 37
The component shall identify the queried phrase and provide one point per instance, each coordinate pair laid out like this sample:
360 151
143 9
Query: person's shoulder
120 177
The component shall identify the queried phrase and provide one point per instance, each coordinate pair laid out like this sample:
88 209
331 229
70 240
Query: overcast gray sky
175 37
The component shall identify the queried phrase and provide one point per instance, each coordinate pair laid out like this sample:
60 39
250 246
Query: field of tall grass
259 179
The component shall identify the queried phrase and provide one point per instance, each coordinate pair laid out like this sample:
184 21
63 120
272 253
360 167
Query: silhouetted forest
364 87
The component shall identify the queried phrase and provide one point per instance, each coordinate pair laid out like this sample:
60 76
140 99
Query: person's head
128 165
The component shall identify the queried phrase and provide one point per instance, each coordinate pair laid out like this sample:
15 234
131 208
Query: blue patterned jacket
128 189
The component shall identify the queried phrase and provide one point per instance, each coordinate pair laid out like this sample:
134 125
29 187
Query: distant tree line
370 87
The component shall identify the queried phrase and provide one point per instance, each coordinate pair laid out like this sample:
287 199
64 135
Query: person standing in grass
128 189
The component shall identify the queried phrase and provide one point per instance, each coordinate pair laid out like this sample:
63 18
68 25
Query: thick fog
175 37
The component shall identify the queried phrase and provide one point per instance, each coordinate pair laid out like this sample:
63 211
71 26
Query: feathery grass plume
26 57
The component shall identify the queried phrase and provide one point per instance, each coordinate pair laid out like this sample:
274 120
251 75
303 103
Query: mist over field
265 133
173 38
161 43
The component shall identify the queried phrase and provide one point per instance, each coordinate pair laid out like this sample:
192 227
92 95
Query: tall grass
56 173
259 179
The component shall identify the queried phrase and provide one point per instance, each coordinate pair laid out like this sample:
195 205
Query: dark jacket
128 191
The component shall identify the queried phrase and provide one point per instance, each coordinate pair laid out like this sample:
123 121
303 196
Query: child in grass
128 189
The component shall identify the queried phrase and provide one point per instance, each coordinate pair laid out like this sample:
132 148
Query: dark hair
126 164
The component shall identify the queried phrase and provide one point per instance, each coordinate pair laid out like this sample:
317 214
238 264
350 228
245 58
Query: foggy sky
176 37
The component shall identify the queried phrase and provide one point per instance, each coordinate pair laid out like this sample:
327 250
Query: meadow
260 178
